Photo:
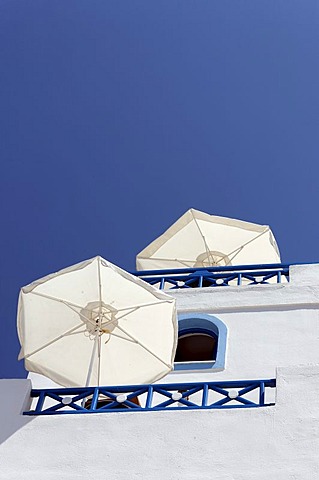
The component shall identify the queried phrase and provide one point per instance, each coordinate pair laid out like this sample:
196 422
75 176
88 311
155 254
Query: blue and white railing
155 397
216 276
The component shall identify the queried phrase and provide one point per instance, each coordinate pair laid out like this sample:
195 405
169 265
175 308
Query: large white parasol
200 240
95 324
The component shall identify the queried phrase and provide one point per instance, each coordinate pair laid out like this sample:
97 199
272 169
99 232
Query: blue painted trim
186 390
197 330
198 322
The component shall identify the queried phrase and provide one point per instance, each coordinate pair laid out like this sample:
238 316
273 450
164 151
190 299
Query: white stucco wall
272 443
268 326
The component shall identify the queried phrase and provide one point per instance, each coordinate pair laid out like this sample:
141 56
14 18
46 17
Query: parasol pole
88 378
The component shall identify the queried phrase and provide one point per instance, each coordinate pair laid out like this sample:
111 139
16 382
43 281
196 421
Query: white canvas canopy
200 240
95 324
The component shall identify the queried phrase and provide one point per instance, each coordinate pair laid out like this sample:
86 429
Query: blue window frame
198 323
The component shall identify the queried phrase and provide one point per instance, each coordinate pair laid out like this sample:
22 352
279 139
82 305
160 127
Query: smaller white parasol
200 240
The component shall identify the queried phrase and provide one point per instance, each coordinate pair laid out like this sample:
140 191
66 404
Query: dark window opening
196 346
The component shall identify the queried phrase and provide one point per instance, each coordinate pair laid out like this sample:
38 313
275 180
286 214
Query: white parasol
200 240
95 324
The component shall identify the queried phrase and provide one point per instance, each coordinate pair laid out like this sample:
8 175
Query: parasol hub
99 318
212 259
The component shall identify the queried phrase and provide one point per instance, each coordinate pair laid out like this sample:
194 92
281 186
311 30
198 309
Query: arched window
201 342
196 344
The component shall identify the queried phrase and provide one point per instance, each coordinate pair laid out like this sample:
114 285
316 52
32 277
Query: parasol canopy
200 240
95 324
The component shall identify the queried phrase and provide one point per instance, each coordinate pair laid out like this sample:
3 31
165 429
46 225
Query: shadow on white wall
14 400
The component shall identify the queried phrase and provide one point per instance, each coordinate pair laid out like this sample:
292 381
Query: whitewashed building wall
272 331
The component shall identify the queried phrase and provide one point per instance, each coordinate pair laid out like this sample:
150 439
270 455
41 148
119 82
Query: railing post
262 393
149 399
205 395
40 402
95 399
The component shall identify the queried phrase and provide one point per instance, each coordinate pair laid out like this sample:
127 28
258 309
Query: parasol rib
204 239
75 333
100 291
181 261
143 346
133 309
144 305
60 300
53 341
112 334
67 304
239 249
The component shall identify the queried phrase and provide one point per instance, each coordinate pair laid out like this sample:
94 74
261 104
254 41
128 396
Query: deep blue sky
117 116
